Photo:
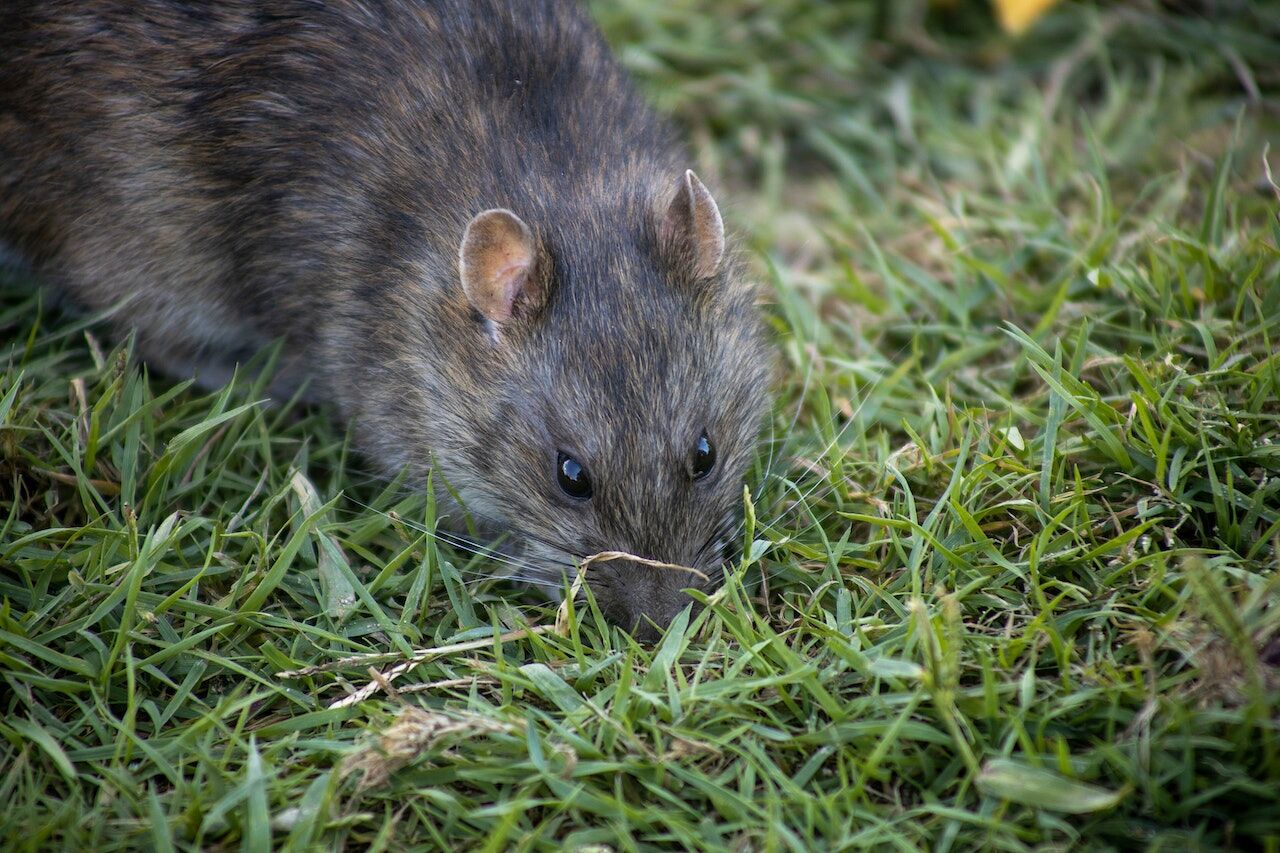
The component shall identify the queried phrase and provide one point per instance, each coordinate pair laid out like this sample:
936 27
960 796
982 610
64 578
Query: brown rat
475 238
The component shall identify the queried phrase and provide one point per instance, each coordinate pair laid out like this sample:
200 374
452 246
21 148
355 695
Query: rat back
225 174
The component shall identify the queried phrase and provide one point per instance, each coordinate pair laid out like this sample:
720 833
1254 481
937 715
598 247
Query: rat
474 238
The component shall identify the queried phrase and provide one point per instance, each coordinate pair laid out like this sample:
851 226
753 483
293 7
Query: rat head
626 380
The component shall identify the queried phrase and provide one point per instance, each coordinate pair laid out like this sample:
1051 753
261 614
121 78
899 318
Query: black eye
573 477
704 457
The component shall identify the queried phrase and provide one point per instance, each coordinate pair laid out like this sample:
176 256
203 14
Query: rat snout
648 598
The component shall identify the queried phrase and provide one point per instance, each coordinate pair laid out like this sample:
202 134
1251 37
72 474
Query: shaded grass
1011 572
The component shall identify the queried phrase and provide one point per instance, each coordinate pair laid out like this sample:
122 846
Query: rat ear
496 263
692 227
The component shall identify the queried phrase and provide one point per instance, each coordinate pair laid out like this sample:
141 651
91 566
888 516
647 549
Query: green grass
1012 567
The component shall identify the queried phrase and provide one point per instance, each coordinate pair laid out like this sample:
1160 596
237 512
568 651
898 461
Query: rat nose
654 597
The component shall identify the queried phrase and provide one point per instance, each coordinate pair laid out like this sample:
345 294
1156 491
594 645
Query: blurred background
852 108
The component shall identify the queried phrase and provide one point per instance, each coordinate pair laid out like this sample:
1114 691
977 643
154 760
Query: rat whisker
571 556
518 579
775 443
455 540
718 541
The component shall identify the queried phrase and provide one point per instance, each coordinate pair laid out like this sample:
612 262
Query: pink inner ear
496 263
692 223
508 282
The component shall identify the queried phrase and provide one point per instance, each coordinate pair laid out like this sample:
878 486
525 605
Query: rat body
475 239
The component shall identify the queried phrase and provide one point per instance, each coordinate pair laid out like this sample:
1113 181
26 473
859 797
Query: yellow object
1016 15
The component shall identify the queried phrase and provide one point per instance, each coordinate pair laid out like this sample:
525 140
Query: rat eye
704 456
573 477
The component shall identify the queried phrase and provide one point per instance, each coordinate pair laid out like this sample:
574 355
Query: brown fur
244 171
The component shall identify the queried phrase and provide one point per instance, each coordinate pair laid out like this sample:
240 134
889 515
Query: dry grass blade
414 732
419 657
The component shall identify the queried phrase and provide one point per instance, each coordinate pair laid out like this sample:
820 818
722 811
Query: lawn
1010 561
